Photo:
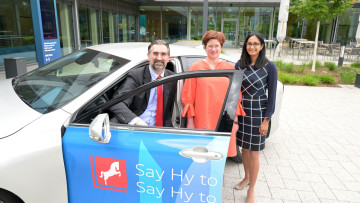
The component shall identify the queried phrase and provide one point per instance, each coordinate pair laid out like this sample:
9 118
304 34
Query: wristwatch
267 118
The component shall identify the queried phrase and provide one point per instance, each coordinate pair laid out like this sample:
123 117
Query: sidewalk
314 156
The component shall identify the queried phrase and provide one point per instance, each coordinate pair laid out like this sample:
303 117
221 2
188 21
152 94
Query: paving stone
262 189
298 185
228 193
284 194
274 180
333 182
344 195
298 166
268 168
323 191
287 172
352 186
350 167
342 174
307 196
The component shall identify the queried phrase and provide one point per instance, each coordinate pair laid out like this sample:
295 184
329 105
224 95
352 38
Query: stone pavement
314 156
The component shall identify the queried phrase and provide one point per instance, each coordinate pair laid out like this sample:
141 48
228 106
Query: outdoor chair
354 54
334 50
322 49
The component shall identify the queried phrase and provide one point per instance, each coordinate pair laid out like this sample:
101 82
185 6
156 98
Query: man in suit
142 109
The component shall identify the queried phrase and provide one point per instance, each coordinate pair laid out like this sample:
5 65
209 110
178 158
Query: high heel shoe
240 187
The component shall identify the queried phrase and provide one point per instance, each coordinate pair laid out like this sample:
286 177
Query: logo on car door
109 173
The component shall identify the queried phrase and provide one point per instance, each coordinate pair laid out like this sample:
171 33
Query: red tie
159 105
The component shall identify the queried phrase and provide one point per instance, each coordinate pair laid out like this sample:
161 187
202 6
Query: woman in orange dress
203 97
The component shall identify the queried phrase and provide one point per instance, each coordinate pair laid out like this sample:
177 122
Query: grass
331 66
355 65
311 79
348 77
327 74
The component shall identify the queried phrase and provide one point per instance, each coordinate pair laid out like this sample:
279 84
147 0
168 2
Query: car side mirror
99 129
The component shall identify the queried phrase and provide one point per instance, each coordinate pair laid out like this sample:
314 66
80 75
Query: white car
57 145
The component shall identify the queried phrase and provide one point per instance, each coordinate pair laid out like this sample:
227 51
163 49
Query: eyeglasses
255 44
162 54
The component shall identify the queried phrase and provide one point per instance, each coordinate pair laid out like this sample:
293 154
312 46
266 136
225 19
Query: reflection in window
65 28
150 26
89 27
174 23
16 31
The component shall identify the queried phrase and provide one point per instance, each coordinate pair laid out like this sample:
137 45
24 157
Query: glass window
53 85
89 27
123 28
132 29
174 23
258 20
150 26
16 31
196 22
348 24
108 24
66 31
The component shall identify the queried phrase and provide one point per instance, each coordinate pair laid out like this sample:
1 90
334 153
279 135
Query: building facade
83 23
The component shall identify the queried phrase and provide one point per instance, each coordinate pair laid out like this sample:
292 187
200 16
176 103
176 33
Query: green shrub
300 69
355 65
330 65
348 77
311 79
289 79
289 67
279 64
317 64
326 78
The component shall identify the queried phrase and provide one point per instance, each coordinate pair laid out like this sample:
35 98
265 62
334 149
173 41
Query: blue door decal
142 166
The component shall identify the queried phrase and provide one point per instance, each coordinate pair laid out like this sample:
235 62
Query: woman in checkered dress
260 78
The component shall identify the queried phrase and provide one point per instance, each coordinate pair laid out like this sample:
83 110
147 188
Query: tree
319 10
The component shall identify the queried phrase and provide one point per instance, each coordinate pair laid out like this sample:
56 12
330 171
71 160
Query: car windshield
55 84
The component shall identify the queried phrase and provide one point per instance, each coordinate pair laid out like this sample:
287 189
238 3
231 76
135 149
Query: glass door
230 28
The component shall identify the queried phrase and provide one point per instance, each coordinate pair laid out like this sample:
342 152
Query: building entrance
230 28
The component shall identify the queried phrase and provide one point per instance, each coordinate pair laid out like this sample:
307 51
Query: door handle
201 154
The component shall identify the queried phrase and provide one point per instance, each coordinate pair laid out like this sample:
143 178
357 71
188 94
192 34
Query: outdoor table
305 43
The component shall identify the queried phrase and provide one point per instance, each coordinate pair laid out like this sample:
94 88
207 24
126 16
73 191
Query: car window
53 85
187 61
174 113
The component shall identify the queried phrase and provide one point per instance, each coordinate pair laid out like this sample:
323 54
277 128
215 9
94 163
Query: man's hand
141 122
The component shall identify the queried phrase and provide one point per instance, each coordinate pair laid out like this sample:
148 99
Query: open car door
126 163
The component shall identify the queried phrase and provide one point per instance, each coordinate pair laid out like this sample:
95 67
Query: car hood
15 114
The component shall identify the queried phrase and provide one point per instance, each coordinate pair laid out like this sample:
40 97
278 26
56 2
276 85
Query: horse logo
114 170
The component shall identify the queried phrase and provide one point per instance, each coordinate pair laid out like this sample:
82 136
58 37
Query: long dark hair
245 59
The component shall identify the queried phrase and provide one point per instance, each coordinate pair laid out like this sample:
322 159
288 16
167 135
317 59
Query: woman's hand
264 127
190 122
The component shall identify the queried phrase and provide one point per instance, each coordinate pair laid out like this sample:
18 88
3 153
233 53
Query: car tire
238 157
8 197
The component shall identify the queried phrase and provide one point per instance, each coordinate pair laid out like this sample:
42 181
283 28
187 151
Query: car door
125 163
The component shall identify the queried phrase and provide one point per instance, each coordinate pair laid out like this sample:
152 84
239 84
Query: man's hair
160 42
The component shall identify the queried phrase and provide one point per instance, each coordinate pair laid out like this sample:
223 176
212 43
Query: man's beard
158 67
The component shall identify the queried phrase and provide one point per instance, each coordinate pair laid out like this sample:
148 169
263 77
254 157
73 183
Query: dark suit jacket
132 107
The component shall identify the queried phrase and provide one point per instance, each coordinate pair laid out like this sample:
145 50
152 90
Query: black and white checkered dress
256 104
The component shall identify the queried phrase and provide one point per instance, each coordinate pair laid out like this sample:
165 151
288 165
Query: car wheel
8 197
238 157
